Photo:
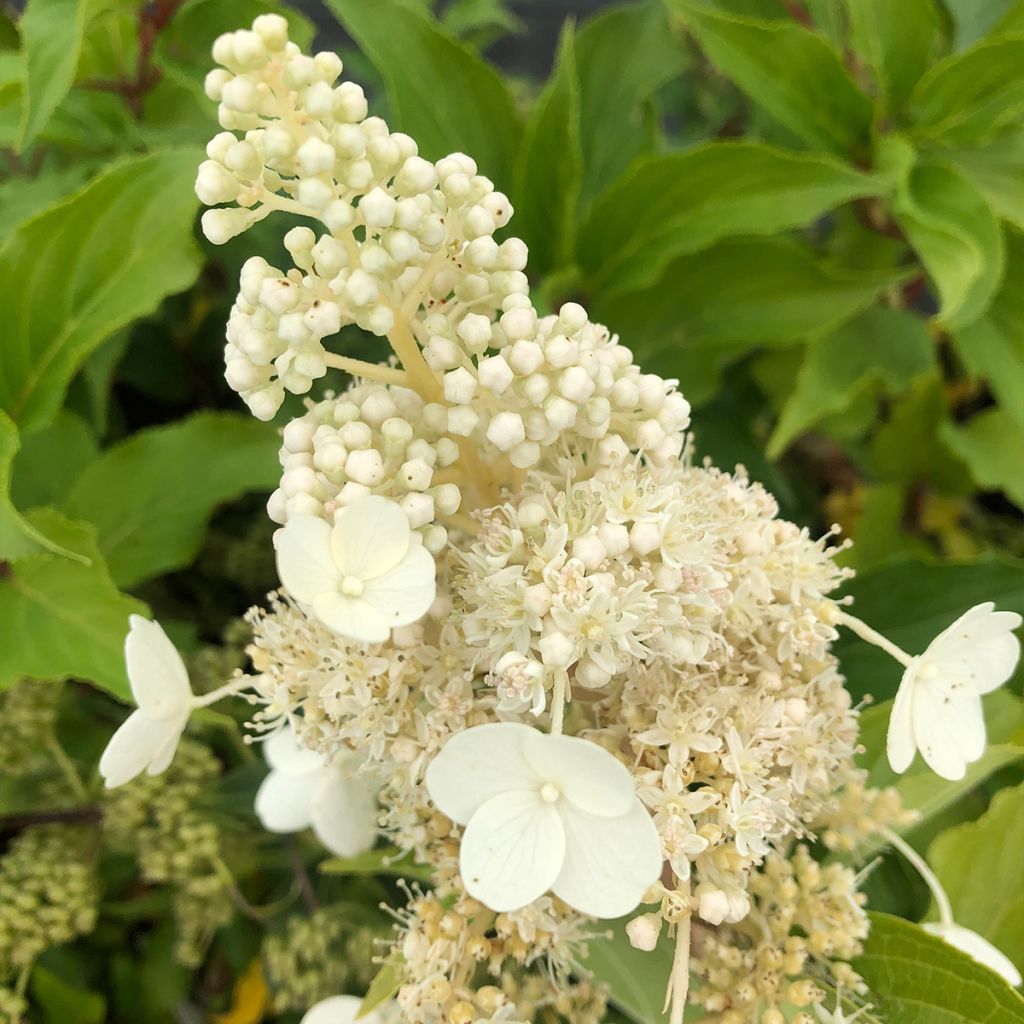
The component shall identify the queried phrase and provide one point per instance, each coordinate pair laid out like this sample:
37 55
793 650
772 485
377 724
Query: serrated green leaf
439 89
898 42
51 38
881 348
18 536
77 273
911 602
549 171
916 978
795 74
178 474
979 866
62 618
991 445
969 96
741 292
637 980
957 237
378 862
677 203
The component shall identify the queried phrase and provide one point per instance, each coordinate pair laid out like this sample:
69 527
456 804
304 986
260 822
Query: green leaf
796 75
665 206
23 198
969 96
62 618
897 41
18 536
51 35
378 862
991 445
973 20
637 980
439 89
911 602
179 474
549 171
384 986
50 461
744 291
993 347
978 864
916 978
74 275
62 1003
881 348
956 235
997 169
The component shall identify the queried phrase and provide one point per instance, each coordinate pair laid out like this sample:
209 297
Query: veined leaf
22 198
75 274
62 618
179 474
439 89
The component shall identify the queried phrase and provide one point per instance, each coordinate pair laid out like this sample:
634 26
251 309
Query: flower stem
235 686
558 703
679 981
865 632
921 866
370 371
67 766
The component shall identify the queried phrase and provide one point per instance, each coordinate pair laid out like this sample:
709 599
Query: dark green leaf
62 1003
74 275
62 618
439 89
884 348
678 203
50 461
157 523
991 445
917 978
796 75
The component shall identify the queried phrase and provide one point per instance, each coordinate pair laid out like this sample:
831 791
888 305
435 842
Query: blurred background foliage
810 212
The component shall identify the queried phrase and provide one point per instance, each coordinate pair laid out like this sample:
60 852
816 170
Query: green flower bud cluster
49 892
318 955
158 818
27 714
13 1006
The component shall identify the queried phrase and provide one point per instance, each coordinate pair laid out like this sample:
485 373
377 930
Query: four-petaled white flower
976 948
938 706
339 1010
363 575
545 812
304 790
148 738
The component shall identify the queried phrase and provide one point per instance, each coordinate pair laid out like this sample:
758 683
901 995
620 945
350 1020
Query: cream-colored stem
369 371
227 690
558 703
421 377
865 632
679 984
921 866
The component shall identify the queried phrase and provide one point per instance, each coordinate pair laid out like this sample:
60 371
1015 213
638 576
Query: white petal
478 764
979 650
283 802
948 730
900 744
164 753
155 670
283 752
587 775
345 813
977 948
338 1010
136 743
351 617
305 562
609 862
371 536
403 594
512 850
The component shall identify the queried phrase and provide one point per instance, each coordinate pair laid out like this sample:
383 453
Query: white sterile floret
938 706
305 790
976 948
339 1010
361 577
545 812
149 737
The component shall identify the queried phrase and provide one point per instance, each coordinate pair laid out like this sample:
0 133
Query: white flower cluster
498 530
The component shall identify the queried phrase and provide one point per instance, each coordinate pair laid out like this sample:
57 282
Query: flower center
549 792
927 671
352 586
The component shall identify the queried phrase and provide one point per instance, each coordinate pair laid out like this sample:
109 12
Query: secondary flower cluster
522 634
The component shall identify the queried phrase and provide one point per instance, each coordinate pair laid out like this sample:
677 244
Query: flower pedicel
590 673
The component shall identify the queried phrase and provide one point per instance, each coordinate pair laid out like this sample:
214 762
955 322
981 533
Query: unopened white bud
506 430
643 931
